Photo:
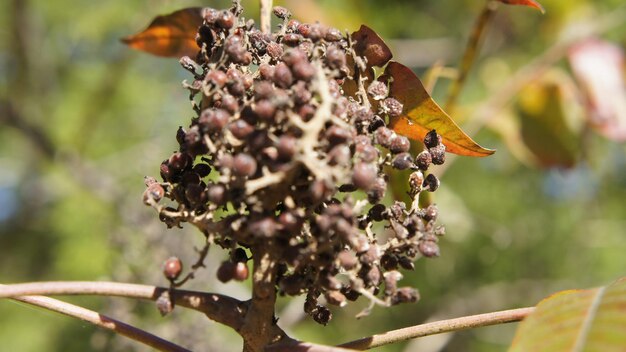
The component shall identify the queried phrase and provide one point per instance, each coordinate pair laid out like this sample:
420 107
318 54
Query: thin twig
223 309
102 321
473 45
438 327
266 16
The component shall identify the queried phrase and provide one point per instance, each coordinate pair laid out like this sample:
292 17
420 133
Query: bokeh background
83 118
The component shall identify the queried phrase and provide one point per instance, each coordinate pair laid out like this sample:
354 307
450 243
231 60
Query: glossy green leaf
576 320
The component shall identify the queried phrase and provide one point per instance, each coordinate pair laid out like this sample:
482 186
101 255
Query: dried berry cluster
287 153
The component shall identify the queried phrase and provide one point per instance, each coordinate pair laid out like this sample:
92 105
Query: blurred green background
84 118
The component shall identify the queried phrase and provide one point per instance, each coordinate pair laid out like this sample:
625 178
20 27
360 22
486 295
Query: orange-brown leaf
421 114
529 3
170 35
370 45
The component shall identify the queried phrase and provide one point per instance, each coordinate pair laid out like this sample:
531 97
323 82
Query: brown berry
402 161
364 175
241 271
392 107
384 136
282 75
274 50
438 154
431 183
423 160
265 110
399 144
432 139
226 271
154 192
281 12
378 90
244 165
286 147
428 249
225 19
172 268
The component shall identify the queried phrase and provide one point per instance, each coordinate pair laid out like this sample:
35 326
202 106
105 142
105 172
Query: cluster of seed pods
289 149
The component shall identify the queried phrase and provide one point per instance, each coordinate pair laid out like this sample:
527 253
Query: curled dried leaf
370 45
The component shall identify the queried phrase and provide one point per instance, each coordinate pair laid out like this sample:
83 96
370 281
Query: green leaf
577 320
421 114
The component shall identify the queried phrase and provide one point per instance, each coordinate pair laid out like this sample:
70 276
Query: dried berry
384 136
364 175
172 268
154 193
431 183
378 90
402 161
392 107
240 272
406 294
423 160
287 147
438 154
399 144
281 12
244 165
226 271
282 76
240 128
428 249
225 19
432 139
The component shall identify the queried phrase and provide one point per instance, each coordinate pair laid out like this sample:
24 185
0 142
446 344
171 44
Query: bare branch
102 321
222 309
438 327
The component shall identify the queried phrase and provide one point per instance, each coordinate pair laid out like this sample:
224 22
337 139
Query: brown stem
266 16
259 329
438 327
102 321
469 56
223 309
